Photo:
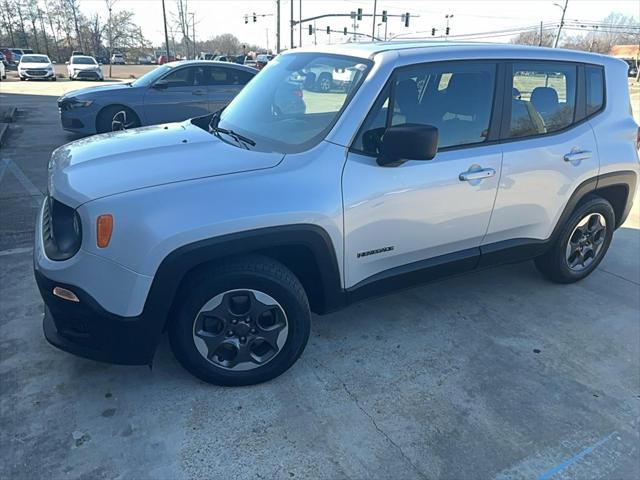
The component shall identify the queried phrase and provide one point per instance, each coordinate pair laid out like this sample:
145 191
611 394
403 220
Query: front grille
37 73
87 74
61 230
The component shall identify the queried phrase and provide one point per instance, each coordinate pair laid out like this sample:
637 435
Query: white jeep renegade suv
226 231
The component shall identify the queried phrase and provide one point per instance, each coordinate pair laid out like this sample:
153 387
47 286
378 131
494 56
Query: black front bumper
85 329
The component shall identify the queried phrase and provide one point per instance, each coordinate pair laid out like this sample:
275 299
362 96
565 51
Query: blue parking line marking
550 473
32 190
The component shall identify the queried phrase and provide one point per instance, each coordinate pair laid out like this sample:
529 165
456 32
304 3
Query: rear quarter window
594 79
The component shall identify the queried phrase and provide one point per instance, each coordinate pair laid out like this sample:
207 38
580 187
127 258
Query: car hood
37 66
118 162
100 90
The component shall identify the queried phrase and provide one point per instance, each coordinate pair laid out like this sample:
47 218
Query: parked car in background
76 52
36 67
224 58
262 60
227 231
8 56
250 62
27 51
206 56
17 54
169 93
162 59
3 69
633 69
117 59
84 67
146 60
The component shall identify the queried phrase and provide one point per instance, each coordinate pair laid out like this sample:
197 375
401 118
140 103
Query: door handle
471 175
198 92
577 156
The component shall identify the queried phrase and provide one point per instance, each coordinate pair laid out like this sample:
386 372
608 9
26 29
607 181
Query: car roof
211 62
82 56
468 49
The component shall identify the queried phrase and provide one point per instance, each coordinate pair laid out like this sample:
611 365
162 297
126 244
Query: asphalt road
493 375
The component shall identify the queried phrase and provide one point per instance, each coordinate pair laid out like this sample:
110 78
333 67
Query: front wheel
243 322
581 244
116 118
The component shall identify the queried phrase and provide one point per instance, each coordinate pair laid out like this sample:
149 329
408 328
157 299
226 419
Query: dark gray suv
172 92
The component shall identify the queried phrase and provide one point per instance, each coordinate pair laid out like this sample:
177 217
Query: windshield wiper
215 129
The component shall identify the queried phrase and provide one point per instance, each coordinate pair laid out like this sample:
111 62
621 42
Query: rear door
419 210
223 84
179 95
548 149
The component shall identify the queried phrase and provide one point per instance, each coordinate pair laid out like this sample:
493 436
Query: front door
418 210
179 95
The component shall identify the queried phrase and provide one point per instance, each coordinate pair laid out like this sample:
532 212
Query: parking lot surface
497 374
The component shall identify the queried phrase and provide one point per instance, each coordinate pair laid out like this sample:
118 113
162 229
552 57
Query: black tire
253 272
554 264
105 118
324 82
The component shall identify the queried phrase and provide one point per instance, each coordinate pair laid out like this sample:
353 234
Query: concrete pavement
496 374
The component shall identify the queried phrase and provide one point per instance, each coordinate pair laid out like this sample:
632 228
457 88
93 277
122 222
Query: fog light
65 294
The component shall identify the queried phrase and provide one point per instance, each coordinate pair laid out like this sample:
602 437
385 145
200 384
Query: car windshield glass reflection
150 77
295 100
34 59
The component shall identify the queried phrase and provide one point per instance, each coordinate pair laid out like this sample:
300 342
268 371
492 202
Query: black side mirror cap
409 141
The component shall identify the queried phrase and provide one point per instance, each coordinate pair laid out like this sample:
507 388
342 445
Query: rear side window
227 76
594 77
456 98
543 98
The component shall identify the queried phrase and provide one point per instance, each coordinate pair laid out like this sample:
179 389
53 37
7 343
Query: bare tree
532 37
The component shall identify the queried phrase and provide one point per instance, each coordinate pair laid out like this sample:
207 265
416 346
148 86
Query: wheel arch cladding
292 245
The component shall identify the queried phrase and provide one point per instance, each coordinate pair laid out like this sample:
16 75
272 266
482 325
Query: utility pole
540 40
193 32
564 9
166 34
277 26
110 6
315 37
291 24
300 19
373 29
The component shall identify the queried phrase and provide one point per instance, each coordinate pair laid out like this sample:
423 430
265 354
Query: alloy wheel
120 121
325 84
240 329
586 241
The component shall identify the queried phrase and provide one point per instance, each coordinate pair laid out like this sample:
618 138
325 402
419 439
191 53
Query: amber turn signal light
104 228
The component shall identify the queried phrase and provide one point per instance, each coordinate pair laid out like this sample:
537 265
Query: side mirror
161 84
408 142
100 63
53 63
66 63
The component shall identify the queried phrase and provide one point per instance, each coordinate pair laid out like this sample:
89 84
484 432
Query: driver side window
182 77
456 98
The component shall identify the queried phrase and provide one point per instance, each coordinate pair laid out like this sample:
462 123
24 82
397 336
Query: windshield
151 76
83 61
295 100
34 59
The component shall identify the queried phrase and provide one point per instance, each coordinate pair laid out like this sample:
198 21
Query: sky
214 17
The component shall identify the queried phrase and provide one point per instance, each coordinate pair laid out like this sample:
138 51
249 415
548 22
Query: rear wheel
115 118
241 323
324 82
581 244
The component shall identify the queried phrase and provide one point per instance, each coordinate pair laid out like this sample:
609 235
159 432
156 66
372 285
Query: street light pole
277 26
110 5
564 9
291 25
300 19
193 32
373 30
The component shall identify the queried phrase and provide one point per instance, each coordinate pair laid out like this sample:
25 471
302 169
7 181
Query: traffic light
246 19
433 32
255 17
310 29
328 30
359 14
446 32
384 15
345 30
406 19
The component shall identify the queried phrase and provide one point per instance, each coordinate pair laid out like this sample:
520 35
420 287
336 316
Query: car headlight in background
75 103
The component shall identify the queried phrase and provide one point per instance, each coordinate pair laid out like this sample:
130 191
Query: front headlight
76 103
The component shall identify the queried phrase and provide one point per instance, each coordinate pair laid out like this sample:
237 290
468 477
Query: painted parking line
15 251
567 463
32 190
